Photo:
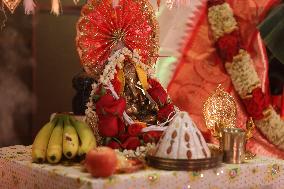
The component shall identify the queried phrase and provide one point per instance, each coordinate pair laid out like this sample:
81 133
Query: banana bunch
63 135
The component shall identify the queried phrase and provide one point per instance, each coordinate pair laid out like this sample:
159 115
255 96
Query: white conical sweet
182 140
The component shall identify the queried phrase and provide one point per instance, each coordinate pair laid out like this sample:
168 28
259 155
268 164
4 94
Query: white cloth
17 172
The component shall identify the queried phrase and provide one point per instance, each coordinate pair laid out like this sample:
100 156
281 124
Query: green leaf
116 140
96 97
103 91
272 32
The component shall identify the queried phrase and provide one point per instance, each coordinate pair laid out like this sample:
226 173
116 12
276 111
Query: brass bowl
185 164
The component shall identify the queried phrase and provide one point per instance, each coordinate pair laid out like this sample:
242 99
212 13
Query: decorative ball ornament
105 27
220 111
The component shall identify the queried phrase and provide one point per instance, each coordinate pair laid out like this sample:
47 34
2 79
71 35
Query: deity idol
118 50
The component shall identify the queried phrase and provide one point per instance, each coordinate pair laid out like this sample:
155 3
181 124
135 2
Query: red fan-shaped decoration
104 26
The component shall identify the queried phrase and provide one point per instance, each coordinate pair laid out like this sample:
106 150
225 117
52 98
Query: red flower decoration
109 111
102 27
228 46
212 3
257 104
157 92
135 129
108 105
123 137
165 112
121 125
116 84
108 126
113 145
154 83
131 143
152 136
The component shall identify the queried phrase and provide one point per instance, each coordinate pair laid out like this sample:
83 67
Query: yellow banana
41 141
70 139
54 149
86 135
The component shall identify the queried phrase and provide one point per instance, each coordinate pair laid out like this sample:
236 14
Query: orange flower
135 129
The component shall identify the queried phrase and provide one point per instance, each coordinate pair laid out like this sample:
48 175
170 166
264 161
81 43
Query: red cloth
200 70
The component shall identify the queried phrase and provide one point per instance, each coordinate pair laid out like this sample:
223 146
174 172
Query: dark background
39 53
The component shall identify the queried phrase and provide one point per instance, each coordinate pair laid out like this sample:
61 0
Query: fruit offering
101 162
104 162
62 136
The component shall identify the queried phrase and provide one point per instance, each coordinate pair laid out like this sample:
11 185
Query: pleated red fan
103 27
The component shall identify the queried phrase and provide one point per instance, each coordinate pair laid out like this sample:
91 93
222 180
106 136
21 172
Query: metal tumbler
233 145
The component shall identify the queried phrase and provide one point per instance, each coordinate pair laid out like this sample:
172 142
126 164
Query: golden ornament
220 111
249 134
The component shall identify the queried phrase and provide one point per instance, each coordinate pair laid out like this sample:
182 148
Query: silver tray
185 164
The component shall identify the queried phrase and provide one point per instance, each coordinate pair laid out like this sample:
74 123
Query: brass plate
185 164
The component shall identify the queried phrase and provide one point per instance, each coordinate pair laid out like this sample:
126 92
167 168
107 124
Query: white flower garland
273 126
243 74
140 151
221 19
116 60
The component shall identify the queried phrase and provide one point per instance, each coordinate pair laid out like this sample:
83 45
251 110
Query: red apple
101 162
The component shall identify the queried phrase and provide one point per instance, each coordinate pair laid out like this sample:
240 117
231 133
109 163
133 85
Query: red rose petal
108 126
135 129
228 46
108 105
123 137
159 95
153 83
116 84
121 125
165 112
131 143
256 104
152 136
113 145
212 3
116 108
105 101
